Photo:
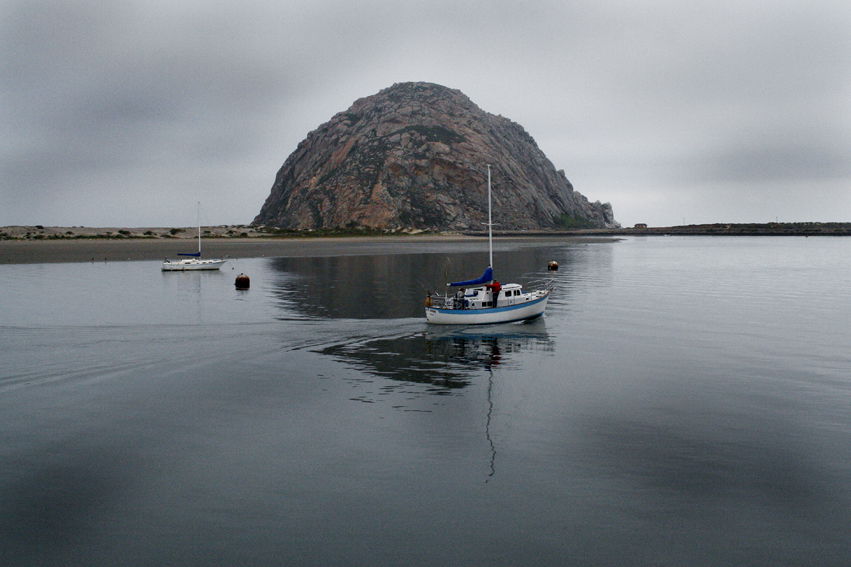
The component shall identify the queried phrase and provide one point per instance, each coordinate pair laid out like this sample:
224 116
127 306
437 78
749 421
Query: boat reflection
447 359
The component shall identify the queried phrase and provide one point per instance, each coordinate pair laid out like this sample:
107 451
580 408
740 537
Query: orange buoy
242 282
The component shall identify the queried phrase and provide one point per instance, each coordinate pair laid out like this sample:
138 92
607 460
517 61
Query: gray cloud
128 113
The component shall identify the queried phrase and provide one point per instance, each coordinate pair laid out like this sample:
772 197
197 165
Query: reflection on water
389 286
367 300
489 346
683 402
447 358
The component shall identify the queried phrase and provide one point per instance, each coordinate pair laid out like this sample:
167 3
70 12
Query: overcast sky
127 113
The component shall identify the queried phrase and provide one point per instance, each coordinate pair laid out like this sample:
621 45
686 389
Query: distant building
641 225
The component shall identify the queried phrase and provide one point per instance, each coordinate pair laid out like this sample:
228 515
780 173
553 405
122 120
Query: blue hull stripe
488 309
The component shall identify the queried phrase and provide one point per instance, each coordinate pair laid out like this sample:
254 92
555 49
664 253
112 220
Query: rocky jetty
413 157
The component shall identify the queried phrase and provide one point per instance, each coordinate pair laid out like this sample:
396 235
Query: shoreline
39 244
131 249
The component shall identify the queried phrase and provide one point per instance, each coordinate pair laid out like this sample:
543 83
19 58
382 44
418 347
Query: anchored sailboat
484 300
193 260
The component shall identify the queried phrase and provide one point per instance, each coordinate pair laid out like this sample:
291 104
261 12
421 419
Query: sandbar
113 250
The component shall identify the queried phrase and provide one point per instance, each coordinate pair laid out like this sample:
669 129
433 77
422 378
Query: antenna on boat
490 222
199 228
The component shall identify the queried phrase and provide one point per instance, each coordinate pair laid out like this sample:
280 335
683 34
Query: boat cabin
482 297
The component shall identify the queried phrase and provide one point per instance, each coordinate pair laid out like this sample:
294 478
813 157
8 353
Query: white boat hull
192 264
488 315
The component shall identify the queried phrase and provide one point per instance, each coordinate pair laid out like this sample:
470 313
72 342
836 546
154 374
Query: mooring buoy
552 266
242 282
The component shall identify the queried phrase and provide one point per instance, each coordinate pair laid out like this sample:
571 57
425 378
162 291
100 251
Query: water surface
683 402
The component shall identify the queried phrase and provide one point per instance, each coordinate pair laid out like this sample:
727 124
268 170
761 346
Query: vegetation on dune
569 222
564 225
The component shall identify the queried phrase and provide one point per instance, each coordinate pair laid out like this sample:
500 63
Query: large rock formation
413 157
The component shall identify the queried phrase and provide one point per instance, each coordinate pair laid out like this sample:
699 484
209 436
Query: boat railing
438 301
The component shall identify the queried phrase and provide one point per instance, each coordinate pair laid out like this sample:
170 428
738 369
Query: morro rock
414 157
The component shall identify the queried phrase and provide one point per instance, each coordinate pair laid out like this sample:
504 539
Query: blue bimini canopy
196 254
485 278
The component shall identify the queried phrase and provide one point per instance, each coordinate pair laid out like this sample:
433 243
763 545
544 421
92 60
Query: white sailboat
484 300
193 260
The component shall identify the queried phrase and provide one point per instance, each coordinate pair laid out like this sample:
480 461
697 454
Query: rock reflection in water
388 286
449 358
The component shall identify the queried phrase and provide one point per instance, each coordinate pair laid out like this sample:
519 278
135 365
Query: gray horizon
126 115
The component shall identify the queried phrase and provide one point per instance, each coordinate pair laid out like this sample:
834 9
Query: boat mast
490 222
199 229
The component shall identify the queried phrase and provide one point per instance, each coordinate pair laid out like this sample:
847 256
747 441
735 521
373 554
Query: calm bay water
685 401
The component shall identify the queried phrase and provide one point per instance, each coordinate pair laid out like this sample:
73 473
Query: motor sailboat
484 300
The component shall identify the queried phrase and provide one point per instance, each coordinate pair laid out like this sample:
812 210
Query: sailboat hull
191 264
508 314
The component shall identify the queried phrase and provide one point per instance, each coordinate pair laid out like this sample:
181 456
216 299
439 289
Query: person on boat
495 288
460 301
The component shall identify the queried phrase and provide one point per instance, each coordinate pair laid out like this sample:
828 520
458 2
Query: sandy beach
116 250
100 250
